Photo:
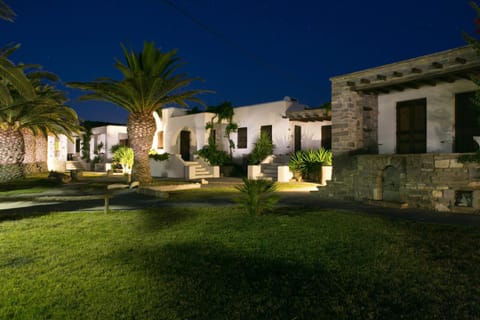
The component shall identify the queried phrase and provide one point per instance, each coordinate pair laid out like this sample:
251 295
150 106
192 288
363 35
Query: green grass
214 263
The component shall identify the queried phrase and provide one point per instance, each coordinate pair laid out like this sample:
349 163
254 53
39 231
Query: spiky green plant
257 196
262 149
309 162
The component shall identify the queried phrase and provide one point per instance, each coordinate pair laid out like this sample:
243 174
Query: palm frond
6 12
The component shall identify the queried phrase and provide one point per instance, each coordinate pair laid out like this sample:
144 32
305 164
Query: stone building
399 129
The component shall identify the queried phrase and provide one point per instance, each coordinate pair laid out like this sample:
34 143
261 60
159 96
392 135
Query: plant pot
477 140
326 175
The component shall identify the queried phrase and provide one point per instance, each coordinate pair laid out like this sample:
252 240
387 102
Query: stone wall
430 181
354 121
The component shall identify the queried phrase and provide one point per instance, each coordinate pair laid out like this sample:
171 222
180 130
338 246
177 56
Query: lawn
216 263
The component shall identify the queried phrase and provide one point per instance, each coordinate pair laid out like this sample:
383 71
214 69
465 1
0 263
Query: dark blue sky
248 51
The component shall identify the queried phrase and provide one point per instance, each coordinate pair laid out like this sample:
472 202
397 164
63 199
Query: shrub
309 162
257 196
263 148
213 156
152 154
124 155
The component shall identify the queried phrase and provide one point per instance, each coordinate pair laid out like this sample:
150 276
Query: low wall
173 167
431 181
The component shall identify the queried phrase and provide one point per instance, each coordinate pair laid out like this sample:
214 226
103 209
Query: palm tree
6 13
148 84
21 113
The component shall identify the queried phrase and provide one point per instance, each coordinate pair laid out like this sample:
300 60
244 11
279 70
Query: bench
106 197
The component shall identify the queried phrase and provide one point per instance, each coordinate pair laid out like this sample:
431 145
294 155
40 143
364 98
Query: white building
291 125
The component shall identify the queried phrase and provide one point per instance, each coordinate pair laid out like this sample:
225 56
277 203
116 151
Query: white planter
477 140
326 174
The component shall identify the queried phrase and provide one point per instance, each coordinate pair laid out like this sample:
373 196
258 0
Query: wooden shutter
412 126
242 138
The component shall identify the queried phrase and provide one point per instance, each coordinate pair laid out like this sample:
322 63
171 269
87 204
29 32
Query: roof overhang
309 115
441 67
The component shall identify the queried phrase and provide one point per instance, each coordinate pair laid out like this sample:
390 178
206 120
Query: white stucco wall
108 135
440 115
265 114
173 121
57 157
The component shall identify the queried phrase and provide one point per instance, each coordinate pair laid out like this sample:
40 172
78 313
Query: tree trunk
29 159
12 152
42 153
141 128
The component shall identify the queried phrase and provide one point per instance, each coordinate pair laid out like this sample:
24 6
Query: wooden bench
106 197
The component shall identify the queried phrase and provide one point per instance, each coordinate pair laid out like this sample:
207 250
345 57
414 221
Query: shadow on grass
162 218
210 281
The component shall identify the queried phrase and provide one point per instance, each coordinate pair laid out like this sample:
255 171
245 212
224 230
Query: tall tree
40 113
6 13
149 83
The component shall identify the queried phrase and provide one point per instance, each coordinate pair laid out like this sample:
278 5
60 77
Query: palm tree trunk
12 152
29 159
141 129
42 153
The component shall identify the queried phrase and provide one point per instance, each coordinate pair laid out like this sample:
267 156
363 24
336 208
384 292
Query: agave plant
309 162
257 195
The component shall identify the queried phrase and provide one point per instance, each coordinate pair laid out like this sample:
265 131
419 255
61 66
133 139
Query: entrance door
185 145
412 126
298 138
467 122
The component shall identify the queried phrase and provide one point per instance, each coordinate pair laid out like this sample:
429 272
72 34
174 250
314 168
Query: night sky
248 52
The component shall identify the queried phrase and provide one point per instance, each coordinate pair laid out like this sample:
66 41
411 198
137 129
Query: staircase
198 170
269 169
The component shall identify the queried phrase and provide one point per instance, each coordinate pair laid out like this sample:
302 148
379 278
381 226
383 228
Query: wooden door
297 138
185 145
327 137
412 126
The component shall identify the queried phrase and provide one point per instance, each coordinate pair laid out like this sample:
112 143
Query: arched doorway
185 145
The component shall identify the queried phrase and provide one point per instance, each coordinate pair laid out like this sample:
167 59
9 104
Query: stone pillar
354 120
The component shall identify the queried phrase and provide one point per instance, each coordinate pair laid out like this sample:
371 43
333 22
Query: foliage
223 111
464 158
213 156
6 12
257 196
309 162
29 104
152 154
123 155
262 148
85 149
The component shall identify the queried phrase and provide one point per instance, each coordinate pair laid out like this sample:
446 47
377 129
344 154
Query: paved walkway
12 208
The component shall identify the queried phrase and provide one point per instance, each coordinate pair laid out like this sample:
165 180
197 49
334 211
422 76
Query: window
123 142
242 138
412 126
467 122
267 130
160 140
327 137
